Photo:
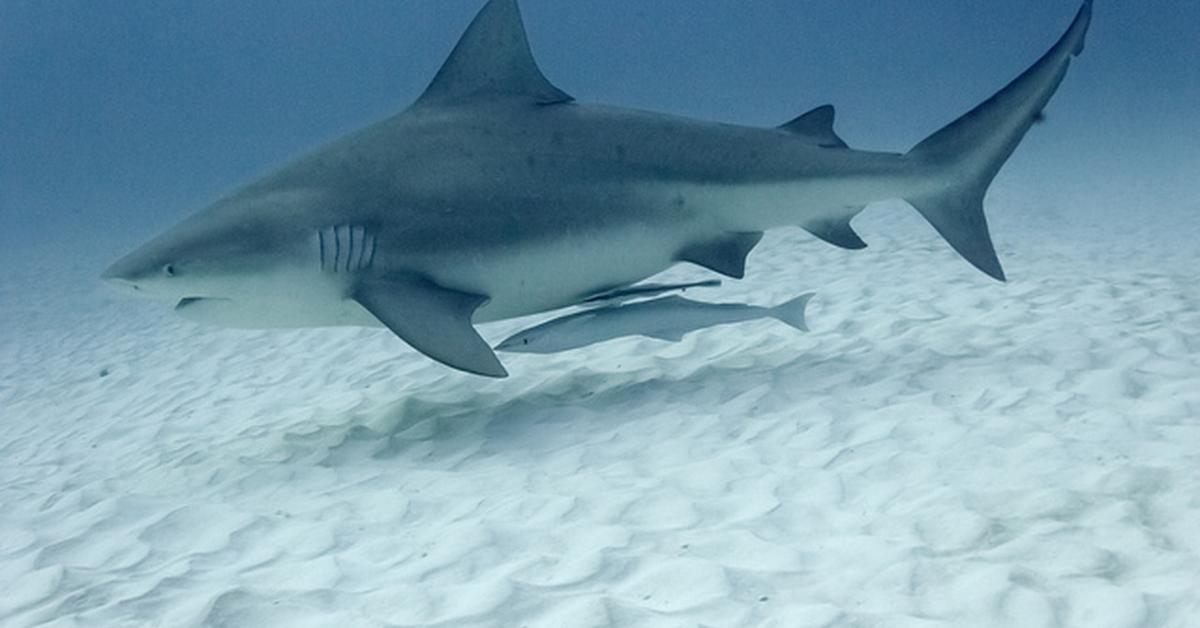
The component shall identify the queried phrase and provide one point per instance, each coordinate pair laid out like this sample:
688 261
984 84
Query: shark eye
525 341
169 270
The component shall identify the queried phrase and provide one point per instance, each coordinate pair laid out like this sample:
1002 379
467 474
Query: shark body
495 195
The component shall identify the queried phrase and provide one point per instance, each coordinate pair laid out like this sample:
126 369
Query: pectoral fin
436 321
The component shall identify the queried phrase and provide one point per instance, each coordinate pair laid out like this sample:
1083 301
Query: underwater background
940 450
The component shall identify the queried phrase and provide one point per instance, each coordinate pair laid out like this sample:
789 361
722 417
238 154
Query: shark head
232 250
186 262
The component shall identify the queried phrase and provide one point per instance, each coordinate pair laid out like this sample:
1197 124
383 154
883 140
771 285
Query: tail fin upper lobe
970 151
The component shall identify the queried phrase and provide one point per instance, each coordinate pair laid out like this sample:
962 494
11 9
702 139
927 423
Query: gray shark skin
665 318
495 195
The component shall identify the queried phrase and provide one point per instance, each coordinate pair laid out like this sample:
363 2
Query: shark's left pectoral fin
492 62
434 320
726 254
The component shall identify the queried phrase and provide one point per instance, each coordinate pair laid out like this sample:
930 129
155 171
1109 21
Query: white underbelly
295 300
549 275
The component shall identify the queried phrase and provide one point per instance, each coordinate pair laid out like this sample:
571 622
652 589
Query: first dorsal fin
818 125
492 61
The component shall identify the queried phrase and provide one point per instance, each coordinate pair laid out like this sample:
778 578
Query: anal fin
725 255
432 319
837 232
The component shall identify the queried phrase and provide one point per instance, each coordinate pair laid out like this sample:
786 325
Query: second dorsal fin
817 125
492 61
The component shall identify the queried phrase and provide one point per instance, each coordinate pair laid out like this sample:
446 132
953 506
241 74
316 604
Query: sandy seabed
941 451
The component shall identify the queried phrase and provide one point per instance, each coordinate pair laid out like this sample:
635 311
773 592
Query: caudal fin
968 153
793 313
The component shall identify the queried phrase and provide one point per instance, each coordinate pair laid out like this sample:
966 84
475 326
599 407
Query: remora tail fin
969 152
793 313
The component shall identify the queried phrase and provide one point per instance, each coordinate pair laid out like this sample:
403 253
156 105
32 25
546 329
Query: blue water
120 119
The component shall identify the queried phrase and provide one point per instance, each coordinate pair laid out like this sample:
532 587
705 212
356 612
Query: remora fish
666 318
496 196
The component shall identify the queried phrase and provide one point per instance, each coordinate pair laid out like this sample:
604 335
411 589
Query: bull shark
665 318
496 195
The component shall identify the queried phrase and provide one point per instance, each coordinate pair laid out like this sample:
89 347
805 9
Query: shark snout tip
115 276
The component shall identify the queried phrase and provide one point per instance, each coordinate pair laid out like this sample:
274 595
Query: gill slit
337 249
346 248
357 233
371 259
321 246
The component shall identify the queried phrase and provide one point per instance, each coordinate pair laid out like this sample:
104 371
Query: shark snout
128 275
118 275
125 285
